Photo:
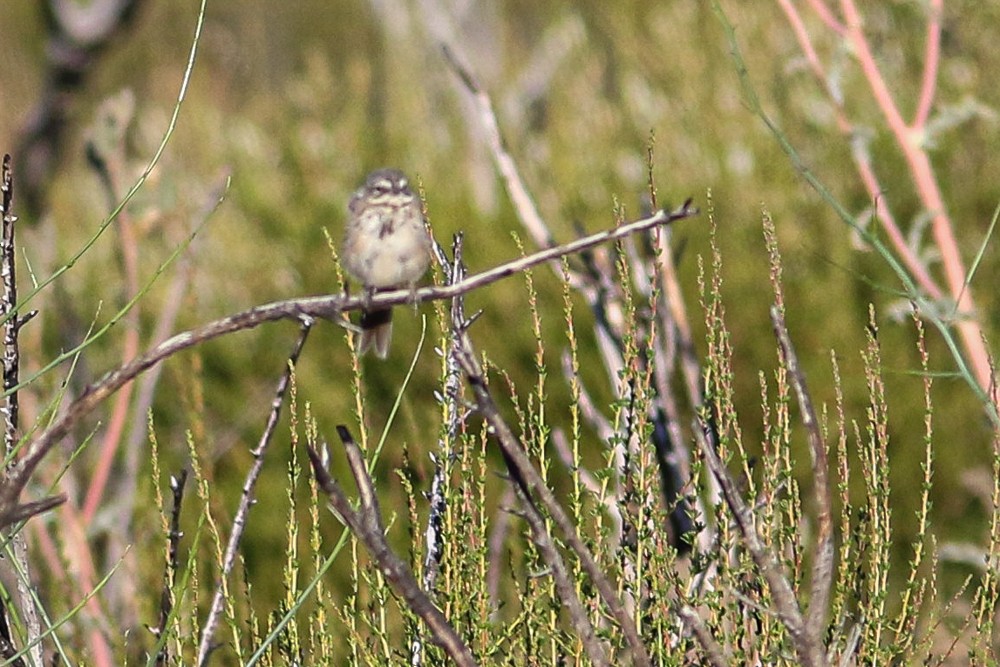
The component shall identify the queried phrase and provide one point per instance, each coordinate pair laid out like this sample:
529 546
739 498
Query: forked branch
329 307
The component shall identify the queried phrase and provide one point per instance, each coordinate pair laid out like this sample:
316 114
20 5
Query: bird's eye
402 184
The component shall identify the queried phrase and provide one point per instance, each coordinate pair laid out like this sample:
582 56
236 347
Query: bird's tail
376 331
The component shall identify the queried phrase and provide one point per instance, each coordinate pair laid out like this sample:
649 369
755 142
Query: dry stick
807 646
326 307
715 653
534 488
366 524
11 364
519 195
822 570
454 410
247 498
464 356
532 221
174 535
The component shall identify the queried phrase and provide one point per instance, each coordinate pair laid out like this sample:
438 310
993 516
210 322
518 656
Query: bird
387 246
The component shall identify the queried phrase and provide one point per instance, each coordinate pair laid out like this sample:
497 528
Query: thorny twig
12 323
454 411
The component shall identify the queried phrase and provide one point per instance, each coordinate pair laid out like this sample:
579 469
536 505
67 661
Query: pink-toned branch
860 155
910 138
826 15
932 58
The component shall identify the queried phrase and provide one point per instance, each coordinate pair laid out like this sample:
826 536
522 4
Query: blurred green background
299 102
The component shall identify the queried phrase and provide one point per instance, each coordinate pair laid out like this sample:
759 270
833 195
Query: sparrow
386 246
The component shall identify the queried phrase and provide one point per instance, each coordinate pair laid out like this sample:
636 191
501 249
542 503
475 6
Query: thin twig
465 358
247 499
454 411
107 156
712 649
534 489
910 138
524 205
174 535
324 307
807 646
822 568
10 407
974 364
366 524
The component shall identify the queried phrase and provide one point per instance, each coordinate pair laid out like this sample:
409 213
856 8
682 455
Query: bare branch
247 499
174 535
323 307
12 322
533 488
462 353
366 525
808 648
713 651
454 412
521 198
822 569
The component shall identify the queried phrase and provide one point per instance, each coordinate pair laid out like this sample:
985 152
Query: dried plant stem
12 323
533 488
713 651
366 524
171 568
808 646
247 498
453 412
822 569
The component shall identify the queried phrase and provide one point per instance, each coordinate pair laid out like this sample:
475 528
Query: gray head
384 186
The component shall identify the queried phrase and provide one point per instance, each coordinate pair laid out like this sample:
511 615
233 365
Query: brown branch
366 524
712 650
822 569
461 353
454 412
807 646
247 499
12 322
174 535
533 488
323 307
524 205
